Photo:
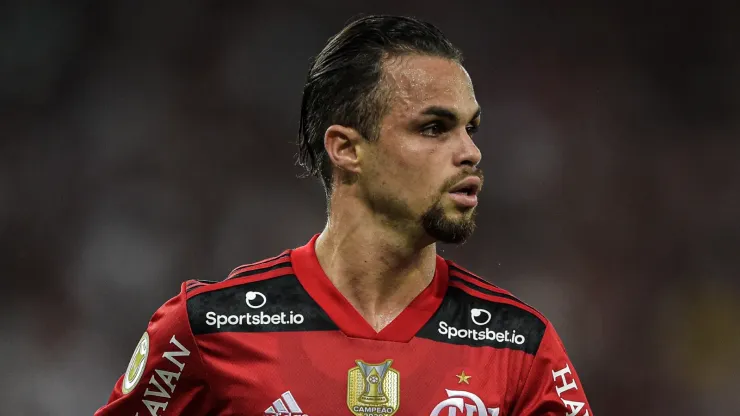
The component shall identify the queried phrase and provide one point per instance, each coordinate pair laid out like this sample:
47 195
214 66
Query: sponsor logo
218 320
285 406
136 365
373 389
467 403
157 396
564 382
480 317
481 335
254 300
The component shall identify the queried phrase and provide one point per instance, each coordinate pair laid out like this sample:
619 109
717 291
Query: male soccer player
366 318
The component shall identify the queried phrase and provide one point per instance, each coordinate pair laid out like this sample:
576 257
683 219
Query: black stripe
483 290
205 282
262 262
287 264
265 260
198 283
469 274
193 287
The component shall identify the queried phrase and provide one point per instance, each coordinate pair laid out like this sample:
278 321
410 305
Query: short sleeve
166 374
552 386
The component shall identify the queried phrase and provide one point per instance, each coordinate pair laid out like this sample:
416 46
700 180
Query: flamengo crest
457 401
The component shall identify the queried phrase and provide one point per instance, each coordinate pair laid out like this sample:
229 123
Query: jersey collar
345 316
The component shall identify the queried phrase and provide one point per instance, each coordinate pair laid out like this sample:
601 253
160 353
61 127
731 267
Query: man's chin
451 227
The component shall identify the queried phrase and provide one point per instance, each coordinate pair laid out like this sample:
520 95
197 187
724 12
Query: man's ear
344 148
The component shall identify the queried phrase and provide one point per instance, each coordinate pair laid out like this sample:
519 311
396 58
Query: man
365 319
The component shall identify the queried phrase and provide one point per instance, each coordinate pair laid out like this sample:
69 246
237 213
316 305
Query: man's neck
377 268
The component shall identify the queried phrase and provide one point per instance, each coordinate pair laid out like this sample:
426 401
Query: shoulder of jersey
264 269
265 296
476 313
478 287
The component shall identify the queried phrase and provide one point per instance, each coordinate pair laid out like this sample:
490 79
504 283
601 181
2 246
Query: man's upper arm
552 386
166 375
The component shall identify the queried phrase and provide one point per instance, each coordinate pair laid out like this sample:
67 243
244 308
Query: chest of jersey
277 338
328 373
280 346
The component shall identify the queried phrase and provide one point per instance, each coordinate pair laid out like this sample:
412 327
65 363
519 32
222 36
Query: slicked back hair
344 83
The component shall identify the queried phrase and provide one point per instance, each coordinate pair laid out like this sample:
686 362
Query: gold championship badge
373 389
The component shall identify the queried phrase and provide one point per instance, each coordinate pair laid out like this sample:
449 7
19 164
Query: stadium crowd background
146 144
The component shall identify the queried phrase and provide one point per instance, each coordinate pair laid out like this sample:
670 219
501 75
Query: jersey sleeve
166 374
552 386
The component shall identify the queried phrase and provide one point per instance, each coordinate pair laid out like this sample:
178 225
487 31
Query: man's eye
472 129
433 130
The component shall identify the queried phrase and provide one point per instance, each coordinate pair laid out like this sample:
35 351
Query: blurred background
145 144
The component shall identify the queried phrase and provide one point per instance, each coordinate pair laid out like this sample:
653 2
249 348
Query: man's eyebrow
446 113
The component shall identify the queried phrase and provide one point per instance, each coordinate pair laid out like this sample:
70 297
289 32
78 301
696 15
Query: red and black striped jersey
277 338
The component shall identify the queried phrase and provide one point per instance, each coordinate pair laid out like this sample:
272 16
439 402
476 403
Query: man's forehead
419 81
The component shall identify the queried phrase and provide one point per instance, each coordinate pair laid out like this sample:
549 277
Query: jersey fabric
277 338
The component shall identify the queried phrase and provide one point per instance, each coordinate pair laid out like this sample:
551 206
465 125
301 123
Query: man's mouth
465 192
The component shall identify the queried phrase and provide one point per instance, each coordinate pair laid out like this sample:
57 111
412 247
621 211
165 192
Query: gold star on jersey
462 378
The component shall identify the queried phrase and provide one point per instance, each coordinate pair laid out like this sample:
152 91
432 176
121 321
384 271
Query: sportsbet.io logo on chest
254 300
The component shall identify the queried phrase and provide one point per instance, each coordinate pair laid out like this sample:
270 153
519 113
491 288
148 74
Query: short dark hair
343 83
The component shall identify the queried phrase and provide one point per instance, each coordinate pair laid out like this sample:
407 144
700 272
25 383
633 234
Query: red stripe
192 287
479 282
260 265
243 266
459 269
469 290
241 280
454 265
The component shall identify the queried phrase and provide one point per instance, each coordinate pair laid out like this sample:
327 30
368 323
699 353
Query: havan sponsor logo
157 396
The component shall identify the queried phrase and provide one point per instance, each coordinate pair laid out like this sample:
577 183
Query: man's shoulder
473 285
477 313
245 274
